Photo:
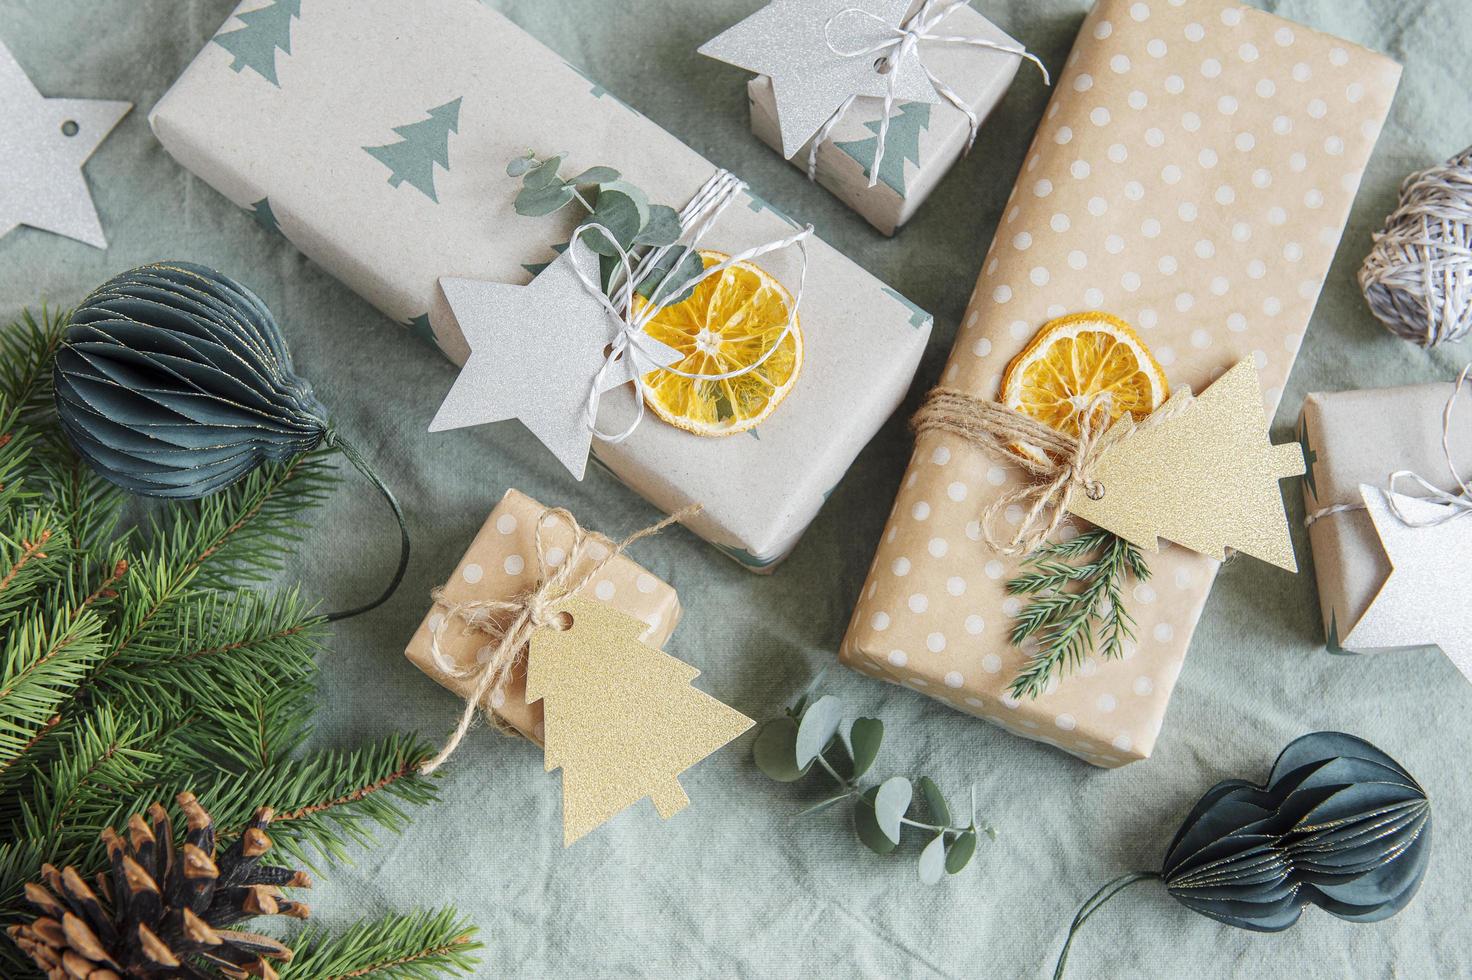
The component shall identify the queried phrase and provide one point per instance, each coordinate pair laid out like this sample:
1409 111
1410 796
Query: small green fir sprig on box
814 734
1077 608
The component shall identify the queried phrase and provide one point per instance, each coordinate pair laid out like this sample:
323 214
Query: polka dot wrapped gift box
501 563
1192 176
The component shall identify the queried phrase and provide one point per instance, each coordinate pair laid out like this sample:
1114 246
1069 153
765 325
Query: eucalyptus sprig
813 733
1079 590
621 208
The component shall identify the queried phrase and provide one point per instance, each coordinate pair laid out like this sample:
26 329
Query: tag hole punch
1094 491
70 128
562 622
882 65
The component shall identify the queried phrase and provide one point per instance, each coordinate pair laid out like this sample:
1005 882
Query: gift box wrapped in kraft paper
924 141
375 135
1355 441
501 564
1192 176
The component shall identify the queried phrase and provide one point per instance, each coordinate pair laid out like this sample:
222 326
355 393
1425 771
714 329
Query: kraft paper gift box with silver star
1222 148
374 135
1384 584
924 139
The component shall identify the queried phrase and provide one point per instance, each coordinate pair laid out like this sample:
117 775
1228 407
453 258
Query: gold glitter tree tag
1205 477
621 719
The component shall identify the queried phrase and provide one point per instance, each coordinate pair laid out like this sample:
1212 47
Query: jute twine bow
1458 505
513 621
1064 468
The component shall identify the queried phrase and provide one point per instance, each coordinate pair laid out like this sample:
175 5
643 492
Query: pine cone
168 909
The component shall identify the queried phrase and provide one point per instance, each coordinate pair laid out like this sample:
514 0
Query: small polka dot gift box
501 563
1191 177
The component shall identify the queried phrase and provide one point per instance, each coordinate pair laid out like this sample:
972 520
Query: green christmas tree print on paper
422 145
262 214
901 145
267 29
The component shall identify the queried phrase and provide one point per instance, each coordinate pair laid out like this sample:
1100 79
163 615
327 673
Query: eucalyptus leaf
819 725
680 265
933 860
619 212
543 174
959 854
520 165
865 737
866 825
775 751
890 804
534 202
640 199
935 802
663 227
596 175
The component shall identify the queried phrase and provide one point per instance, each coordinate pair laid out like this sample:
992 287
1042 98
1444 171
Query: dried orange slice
728 323
1074 359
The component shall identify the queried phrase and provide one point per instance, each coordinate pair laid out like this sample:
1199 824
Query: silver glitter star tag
818 53
1424 599
536 352
46 143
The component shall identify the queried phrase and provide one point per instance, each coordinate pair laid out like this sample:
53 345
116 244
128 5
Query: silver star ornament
818 53
1424 600
536 353
46 143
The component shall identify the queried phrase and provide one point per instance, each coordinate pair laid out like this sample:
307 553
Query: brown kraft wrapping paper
501 563
1361 437
1193 174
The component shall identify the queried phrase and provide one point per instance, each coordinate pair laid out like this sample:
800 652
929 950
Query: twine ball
1418 277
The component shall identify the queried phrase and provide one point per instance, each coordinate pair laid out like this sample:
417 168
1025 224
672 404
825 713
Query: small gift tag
622 720
1423 601
46 143
1202 473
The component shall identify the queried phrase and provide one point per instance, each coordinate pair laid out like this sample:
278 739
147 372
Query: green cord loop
335 441
1092 905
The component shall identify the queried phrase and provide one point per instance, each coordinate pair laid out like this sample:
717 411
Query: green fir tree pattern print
267 29
422 145
902 144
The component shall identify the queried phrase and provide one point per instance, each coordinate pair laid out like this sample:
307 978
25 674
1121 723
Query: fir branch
1077 584
327 799
41 664
416 946
27 347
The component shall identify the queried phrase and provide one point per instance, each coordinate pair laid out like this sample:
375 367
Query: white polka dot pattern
500 563
1192 174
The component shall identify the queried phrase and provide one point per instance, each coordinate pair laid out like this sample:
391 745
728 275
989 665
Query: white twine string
1457 505
892 51
632 343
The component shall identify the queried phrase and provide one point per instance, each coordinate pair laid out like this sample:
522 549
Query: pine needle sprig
1078 590
416 946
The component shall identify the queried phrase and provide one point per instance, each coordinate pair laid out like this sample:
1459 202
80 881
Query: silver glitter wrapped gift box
375 134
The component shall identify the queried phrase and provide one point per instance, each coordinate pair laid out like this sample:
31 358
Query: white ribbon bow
633 353
893 50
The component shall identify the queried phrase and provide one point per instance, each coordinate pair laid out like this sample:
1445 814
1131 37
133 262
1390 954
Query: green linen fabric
735 886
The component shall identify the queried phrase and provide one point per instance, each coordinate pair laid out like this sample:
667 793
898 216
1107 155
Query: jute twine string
513 621
1067 464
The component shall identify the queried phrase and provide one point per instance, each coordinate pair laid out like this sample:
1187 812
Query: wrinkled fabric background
735 886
